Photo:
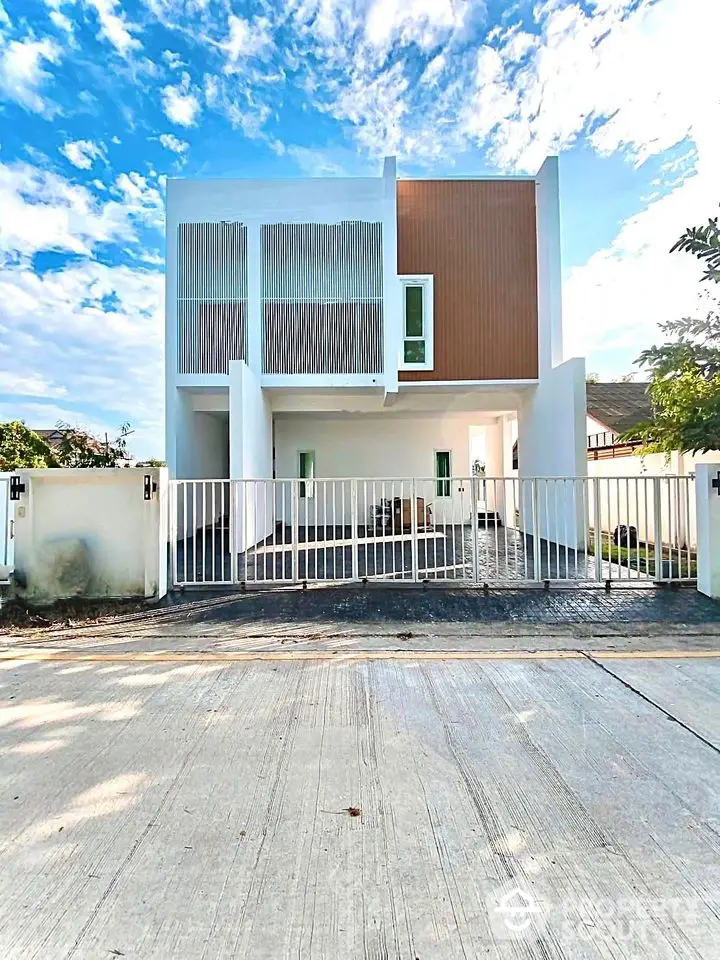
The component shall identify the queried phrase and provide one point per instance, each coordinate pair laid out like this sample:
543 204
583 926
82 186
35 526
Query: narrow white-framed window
417 319
443 473
306 472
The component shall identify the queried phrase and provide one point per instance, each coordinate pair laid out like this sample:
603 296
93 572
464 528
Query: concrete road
432 807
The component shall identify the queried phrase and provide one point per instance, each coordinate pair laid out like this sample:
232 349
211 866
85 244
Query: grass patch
642 558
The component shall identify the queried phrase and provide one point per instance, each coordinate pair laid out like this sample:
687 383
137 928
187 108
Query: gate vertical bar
295 530
474 529
597 526
537 548
173 501
657 525
354 530
232 530
413 530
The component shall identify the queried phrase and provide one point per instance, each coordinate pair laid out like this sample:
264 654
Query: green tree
21 448
78 448
703 243
684 387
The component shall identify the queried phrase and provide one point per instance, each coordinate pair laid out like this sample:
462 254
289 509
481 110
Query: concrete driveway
225 794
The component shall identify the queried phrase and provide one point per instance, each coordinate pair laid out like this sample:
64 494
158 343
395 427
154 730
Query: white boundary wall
7 543
90 533
655 465
708 534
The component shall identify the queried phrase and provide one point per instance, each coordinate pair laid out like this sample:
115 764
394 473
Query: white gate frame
529 531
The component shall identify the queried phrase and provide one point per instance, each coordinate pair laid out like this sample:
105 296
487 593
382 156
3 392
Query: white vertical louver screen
212 296
322 289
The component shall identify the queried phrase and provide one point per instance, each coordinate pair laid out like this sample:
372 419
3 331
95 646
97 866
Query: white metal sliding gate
475 530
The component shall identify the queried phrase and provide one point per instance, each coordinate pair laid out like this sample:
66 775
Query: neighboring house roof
53 438
620 406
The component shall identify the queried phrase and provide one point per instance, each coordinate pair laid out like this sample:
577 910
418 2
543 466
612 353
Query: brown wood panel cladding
477 237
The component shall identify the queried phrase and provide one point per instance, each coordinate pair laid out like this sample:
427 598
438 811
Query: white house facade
367 327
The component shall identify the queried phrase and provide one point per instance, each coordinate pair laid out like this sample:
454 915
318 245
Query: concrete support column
707 507
552 443
250 454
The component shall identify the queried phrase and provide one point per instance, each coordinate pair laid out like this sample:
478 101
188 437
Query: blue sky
101 100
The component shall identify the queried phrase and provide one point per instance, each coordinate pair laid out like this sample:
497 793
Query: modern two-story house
369 327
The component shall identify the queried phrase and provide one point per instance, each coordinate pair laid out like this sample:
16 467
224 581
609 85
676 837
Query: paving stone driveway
377 604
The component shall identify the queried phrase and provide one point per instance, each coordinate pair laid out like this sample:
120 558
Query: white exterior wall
380 447
115 540
201 447
547 202
211 446
594 426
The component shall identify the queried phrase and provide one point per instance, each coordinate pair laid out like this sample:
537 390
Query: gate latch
715 484
16 488
149 487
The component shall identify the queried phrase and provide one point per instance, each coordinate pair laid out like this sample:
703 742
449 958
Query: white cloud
246 39
90 333
171 142
172 59
180 103
614 303
424 22
62 21
33 385
331 162
43 211
621 73
44 416
83 153
113 25
22 74
142 200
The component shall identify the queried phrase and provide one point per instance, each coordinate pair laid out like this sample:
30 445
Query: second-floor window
417 348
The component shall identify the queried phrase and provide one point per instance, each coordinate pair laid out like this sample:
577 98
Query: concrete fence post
707 493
